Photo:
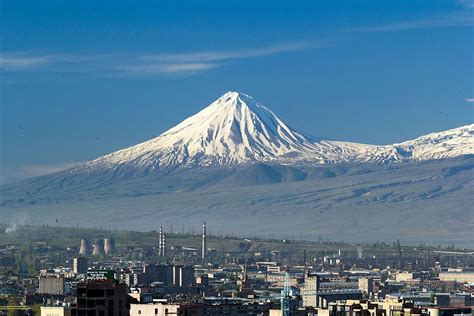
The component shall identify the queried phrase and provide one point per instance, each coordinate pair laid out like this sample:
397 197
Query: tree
36 309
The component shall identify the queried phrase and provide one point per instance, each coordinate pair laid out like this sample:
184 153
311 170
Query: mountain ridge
236 129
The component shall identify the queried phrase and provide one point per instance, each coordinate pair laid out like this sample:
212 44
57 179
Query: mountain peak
233 129
237 129
234 95
236 100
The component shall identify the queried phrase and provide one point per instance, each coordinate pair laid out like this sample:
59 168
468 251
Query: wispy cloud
150 64
159 63
143 64
23 61
157 68
452 20
212 56
28 60
470 100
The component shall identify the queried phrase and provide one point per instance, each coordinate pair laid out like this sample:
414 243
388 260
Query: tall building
102 298
51 284
204 242
310 290
158 273
79 265
366 285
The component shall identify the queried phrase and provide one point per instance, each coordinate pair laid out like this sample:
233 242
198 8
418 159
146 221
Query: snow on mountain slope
446 144
234 129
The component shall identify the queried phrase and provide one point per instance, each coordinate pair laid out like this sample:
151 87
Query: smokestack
85 248
163 246
109 246
161 243
204 242
98 247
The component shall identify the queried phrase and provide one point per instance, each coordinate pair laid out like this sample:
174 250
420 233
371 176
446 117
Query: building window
139 312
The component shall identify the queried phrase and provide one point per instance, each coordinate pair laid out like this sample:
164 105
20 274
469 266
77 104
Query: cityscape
236 158
163 272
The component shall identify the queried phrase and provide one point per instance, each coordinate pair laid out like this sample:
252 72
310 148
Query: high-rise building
310 290
79 265
366 285
158 273
102 298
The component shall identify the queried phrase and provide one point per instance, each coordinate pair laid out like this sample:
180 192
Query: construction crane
286 297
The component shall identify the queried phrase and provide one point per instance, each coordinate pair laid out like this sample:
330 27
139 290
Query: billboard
101 274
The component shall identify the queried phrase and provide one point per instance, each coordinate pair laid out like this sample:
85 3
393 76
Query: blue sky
79 79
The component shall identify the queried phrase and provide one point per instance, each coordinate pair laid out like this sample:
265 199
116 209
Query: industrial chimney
204 242
161 243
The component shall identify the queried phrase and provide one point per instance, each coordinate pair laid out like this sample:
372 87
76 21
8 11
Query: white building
55 311
153 309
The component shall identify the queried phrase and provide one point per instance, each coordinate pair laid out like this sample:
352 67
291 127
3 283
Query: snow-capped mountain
282 173
236 129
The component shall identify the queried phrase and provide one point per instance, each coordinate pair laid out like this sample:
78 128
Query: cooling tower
109 246
359 252
85 248
98 248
